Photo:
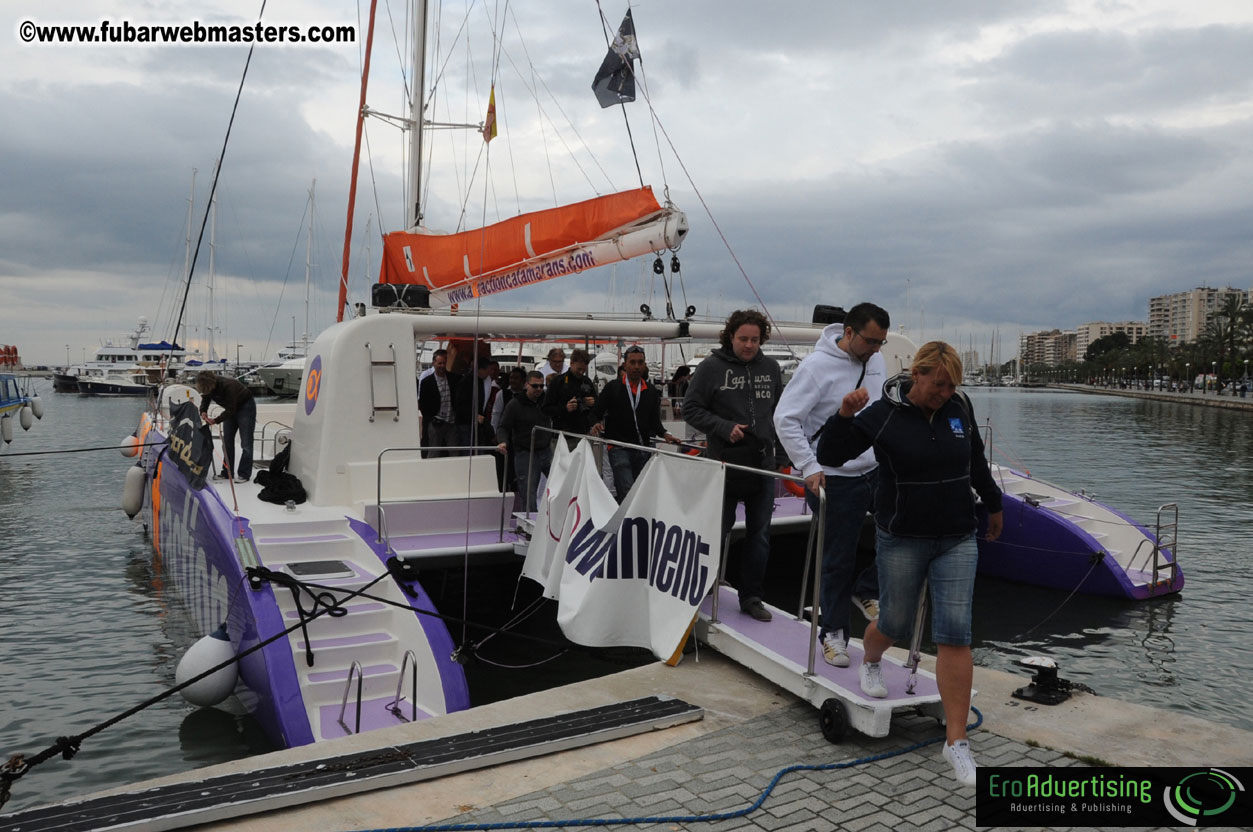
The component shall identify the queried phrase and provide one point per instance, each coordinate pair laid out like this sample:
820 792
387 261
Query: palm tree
1227 327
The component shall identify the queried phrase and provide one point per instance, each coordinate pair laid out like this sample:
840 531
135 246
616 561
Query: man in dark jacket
517 433
435 399
476 406
239 415
629 410
571 397
731 399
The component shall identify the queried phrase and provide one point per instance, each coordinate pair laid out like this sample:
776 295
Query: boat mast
213 230
356 160
413 208
191 207
308 263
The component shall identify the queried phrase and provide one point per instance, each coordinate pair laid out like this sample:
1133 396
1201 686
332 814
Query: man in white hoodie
845 358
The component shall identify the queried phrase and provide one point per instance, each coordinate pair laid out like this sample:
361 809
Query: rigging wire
533 90
213 187
625 120
391 21
291 259
569 121
713 220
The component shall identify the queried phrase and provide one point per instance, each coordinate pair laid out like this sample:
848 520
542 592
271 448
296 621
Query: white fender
133 491
129 446
6 428
37 405
207 653
26 417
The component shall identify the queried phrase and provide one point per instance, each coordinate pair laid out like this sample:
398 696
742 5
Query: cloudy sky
1009 165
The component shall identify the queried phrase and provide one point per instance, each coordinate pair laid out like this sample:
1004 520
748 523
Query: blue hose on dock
716 816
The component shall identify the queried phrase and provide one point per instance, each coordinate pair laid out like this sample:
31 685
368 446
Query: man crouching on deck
930 456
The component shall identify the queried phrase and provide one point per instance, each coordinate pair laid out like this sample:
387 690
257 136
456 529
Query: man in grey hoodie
845 359
731 399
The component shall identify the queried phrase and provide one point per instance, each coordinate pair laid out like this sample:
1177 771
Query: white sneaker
963 762
834 649
869 607
870 675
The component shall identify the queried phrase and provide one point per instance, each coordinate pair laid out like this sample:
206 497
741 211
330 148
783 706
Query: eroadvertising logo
1117 797
1203 795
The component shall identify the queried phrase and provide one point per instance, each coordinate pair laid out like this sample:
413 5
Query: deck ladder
1167 534
376 364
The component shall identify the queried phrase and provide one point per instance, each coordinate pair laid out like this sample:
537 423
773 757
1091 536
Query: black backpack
278 486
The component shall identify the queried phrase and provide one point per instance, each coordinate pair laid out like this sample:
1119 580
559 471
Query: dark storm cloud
113 175
1051 227
1082 73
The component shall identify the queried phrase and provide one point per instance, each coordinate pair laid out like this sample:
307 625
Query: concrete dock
723 762
1225 401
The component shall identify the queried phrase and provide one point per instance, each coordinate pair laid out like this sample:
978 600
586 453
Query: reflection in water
208 736
1136 456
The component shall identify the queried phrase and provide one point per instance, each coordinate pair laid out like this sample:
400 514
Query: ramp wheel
833 720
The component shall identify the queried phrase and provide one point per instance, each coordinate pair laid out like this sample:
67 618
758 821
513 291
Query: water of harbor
89 631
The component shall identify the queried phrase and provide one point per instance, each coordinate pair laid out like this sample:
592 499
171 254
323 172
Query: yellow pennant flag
489 123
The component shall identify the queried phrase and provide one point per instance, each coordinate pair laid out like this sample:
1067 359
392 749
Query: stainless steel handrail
394 705
353 669
283 426
813 546
482 450
1172 529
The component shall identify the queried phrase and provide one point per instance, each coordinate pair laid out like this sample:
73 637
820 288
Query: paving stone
869 822
611 780
810 804
727 771
536 805
787 822
609 799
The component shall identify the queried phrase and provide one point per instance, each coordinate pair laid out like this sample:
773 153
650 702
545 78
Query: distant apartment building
970 361
1181 318
1085 334
1052 348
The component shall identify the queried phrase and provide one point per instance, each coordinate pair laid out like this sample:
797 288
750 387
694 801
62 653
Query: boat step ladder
1166 534
200 800
383 364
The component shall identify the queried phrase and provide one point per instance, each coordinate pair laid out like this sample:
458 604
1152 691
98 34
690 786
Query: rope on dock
711 817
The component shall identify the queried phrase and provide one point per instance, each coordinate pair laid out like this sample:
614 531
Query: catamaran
358 512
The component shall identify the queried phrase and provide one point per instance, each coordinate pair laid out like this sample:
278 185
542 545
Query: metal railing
506 497
813 545
1170 531
410 660
283 429
354 670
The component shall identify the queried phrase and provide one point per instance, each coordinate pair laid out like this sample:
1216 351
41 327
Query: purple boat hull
196 538
1043 548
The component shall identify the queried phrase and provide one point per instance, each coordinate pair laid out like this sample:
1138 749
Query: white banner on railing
631 574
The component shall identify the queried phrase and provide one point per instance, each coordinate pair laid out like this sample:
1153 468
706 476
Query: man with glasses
845 358
571 397
517 431
556 363
629 410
